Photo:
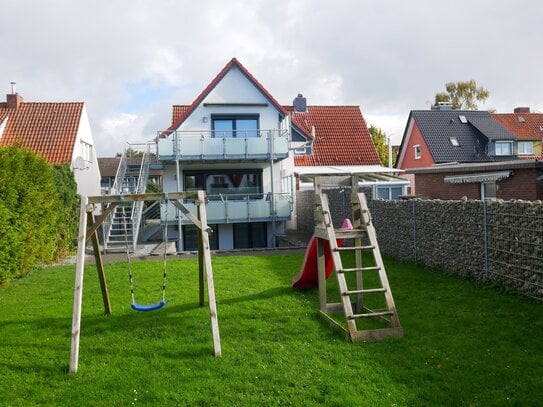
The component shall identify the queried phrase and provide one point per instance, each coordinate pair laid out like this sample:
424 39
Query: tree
380 142
462 95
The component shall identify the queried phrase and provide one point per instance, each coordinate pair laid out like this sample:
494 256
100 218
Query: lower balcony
236 208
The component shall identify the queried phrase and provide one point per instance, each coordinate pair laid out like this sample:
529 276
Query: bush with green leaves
37 205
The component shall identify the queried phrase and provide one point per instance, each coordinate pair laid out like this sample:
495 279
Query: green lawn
463 345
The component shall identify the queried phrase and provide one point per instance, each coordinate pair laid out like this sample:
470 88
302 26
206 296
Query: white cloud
388 57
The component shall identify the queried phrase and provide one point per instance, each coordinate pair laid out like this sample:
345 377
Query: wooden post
209 274
78 287
321 268
355 205
201 264
99 265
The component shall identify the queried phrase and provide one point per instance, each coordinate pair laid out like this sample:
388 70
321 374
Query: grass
463 345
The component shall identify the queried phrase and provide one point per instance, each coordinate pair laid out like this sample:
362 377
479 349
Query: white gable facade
84 163
235 144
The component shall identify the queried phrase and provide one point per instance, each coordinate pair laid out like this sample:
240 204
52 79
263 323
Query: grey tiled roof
472 129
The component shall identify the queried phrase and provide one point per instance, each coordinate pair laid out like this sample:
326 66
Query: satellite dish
79 164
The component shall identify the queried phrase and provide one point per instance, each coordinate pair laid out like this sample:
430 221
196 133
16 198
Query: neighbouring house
241 146
109 166
528 130
338 142
58 132
451 154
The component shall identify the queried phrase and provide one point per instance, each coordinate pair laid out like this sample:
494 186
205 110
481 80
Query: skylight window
521 119
463 119
454 141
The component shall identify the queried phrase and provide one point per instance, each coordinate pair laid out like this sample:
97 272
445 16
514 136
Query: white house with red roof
58 132
241 146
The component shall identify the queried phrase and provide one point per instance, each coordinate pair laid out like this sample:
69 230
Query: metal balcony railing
223 145
235 208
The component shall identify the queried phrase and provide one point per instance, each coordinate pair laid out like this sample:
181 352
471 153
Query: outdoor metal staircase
370 303
121 229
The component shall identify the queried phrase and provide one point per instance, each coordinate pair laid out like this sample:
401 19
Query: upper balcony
240 145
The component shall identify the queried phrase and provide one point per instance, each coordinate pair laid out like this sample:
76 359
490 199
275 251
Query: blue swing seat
144 308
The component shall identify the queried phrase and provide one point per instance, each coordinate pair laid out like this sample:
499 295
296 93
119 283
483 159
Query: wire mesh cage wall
496 241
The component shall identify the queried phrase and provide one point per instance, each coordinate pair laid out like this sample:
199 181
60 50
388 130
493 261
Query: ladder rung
350 233
372 268
339 249
371 314
368 290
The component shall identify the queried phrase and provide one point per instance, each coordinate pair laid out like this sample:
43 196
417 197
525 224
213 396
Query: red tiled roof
525 126
48 129
178 111
341 136
233 62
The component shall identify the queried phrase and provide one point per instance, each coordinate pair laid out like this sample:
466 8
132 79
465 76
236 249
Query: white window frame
86 151
523 150
483 192
418 153
502 144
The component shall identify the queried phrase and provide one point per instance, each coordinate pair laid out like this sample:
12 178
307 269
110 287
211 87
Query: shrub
36 211
68 224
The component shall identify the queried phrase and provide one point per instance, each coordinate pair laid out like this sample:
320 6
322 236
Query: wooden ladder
354 302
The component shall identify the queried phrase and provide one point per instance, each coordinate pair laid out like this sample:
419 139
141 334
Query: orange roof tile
341 136
48 129
178 111
525 126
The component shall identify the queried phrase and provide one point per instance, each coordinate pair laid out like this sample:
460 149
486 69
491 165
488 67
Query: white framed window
525 147
454 141
504 148
86 151
416 147
488 190
389 193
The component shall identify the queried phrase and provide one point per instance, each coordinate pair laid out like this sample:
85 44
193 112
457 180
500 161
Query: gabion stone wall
498 241
515 245
339 199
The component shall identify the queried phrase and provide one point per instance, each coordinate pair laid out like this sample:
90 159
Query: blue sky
129 61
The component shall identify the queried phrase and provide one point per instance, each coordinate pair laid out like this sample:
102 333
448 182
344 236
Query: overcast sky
129 61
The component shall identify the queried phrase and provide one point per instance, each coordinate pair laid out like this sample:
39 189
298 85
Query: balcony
198 146
238 208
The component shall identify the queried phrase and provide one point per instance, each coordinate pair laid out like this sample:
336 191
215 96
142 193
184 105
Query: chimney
300 103
13 99
442 106
521 110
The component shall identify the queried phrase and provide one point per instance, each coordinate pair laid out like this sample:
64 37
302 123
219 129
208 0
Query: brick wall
522 184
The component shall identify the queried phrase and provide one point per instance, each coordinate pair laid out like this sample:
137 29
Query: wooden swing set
88 227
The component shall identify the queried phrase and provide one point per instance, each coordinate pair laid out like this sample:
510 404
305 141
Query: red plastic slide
308 275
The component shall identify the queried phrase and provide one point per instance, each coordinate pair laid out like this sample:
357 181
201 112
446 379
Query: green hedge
38 220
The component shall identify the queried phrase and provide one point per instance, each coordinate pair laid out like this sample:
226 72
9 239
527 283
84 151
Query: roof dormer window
504 148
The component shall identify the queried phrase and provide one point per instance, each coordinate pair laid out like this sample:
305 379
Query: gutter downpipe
272 200
178 179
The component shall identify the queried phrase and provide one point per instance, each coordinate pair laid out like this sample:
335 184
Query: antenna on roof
12 87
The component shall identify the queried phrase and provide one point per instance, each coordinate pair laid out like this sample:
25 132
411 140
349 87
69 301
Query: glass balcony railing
238 208
236 145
